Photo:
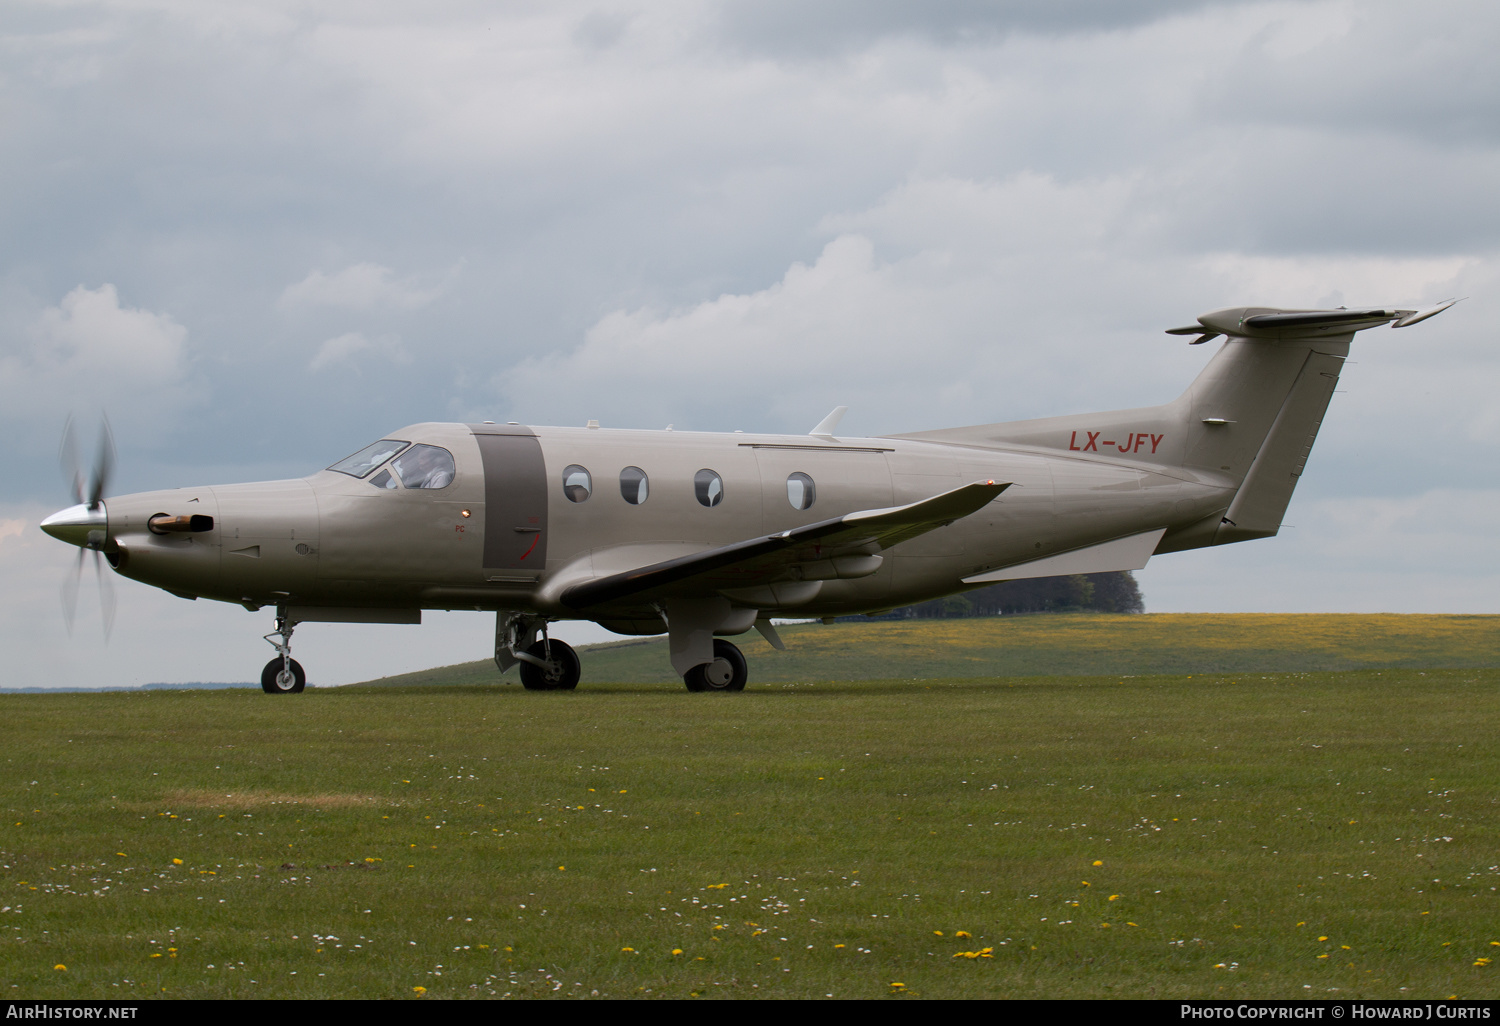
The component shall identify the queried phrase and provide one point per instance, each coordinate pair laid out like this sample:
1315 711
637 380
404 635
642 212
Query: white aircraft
703 536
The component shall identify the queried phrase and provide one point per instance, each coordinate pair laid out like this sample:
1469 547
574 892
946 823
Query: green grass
1075 644
1221 825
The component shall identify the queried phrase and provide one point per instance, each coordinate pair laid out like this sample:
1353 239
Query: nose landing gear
546 665
282 675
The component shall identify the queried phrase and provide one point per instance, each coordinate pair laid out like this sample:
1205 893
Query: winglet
1422 315
827 424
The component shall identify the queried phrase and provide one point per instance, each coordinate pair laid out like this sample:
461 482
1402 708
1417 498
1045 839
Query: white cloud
1432 552
345 347
359 287
90 352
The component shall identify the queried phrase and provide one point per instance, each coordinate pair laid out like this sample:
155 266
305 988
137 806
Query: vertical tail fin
1249 419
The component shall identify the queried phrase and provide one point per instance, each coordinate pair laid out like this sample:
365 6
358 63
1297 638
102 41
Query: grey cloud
792 28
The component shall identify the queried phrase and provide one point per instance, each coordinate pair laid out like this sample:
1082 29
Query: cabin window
424 466
633 485
800 491
370 457
578 485
709 487
383 480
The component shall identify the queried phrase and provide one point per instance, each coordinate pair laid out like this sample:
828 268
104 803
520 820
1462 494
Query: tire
564 678
710 677
272 683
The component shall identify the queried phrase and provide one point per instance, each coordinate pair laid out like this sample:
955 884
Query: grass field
1079 644
1309 834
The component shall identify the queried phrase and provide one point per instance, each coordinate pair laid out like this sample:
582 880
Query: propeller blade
106 593
70 592
104 464
67 460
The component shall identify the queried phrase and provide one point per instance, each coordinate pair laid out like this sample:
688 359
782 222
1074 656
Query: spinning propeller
86 523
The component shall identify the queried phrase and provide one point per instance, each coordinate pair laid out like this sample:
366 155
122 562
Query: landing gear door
515 499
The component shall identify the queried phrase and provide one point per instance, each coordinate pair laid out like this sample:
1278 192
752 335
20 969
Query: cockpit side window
425 466
384 480
370 457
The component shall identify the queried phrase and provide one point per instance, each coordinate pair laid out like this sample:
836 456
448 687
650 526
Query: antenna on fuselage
825 427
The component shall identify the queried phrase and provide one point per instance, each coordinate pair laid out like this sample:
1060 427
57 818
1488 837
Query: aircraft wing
776 557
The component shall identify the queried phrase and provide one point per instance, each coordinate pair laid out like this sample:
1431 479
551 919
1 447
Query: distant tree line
1115 592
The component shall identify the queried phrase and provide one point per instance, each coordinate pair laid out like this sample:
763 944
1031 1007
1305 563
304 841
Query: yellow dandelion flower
156 954
418 990
1480 961
561 868
1322 956
176 862
1322 938
1098 862
898 984
937 933
676 951
963 933
627 950
838 945
1085 883
62 968
1113 897
1495 944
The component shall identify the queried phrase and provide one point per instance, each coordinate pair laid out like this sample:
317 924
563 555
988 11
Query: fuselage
527 510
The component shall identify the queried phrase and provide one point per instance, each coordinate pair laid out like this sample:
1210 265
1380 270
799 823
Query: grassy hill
1074 644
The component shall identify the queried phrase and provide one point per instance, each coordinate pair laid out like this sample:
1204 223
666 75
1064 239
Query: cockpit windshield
425 466
370 457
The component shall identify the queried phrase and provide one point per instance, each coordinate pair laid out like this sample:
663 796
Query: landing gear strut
727 672
282 675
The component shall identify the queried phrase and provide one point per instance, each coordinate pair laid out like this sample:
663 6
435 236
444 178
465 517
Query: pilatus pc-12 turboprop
701 535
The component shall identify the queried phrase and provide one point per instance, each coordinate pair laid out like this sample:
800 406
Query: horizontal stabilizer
772 557
1264 322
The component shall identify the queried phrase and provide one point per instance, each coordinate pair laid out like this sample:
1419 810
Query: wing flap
773 557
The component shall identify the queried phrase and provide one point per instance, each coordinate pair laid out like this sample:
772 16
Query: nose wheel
282 675
559 671
727 672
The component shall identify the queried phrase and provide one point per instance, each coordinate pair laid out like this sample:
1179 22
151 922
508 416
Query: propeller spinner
86 523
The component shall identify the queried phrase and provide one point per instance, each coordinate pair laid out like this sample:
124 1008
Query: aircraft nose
79 525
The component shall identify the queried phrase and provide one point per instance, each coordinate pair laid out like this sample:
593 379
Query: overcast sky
263 234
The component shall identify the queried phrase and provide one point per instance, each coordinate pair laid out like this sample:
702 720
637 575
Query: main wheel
727 672
562 672
282 679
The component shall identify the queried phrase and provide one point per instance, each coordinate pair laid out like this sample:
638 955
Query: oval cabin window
577 484
800 491
633 485
708 486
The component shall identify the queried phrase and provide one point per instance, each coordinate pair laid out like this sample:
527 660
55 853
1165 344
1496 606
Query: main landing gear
727 672
282 675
